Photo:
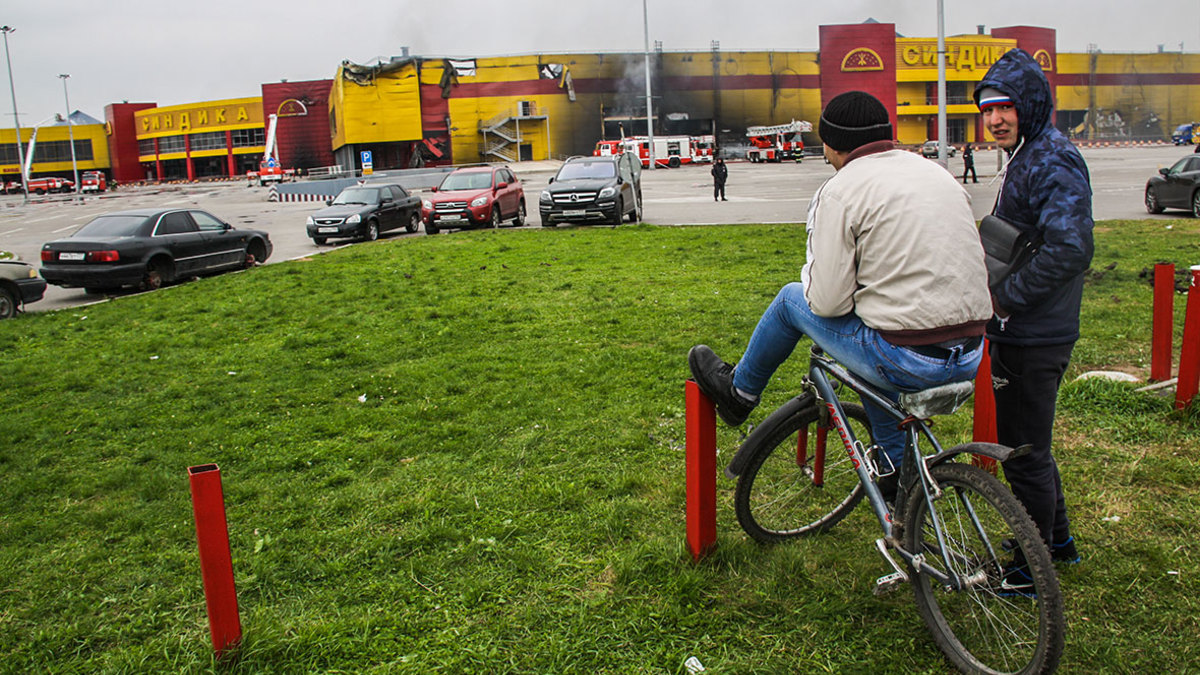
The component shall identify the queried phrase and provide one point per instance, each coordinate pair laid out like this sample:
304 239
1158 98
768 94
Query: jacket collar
869 149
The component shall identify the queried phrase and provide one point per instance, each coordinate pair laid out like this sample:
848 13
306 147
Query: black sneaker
1016 582
715 378
888 485
1064 553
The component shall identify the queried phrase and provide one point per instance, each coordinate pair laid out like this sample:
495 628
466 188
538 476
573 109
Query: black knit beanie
853 119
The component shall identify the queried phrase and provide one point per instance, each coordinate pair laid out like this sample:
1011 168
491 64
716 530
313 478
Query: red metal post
230 161
1189 354
984 423
1163 327
216 563
701 460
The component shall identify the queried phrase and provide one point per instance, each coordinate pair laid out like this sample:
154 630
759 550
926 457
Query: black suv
365 211
594 188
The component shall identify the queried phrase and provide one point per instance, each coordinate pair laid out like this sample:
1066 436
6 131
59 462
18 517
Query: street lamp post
71 134
649 104
941 84
16 119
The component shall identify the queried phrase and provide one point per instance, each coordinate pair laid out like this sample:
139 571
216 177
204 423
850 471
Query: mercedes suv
588 189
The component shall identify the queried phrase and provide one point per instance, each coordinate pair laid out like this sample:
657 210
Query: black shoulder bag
1006 248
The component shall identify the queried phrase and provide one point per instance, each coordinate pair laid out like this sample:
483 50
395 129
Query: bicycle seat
942 400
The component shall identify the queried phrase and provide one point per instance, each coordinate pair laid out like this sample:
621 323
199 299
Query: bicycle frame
821 370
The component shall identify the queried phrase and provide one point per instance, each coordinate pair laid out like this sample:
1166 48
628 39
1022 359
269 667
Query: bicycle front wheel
991 625
790 490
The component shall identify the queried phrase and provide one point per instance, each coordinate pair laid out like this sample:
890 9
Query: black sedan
149 248
1176 188
364 211
19 285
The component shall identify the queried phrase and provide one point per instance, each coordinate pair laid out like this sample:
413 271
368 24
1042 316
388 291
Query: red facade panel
859 57
1041 43
122 140
302 133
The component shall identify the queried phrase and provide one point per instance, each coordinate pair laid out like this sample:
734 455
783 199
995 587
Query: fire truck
93 181
609 148
777 143
669 151
269 169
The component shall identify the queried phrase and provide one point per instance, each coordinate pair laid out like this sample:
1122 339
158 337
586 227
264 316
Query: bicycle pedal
889 583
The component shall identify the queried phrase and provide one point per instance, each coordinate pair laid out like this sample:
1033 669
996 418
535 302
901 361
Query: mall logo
861 60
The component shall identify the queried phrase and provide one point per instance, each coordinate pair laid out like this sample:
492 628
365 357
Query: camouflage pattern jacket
1045 191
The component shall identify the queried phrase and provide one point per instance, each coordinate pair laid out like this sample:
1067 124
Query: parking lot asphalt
757 193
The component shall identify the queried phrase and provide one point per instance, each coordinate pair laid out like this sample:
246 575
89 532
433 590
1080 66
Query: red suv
480 196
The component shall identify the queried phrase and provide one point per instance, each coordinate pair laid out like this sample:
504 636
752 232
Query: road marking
11 231
63 229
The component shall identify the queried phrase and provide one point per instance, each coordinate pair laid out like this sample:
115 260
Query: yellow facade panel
968 57
94 134
221 152
383 109
195 118
1130 91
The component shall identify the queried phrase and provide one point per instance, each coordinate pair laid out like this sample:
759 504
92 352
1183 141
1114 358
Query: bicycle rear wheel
785 492
985 628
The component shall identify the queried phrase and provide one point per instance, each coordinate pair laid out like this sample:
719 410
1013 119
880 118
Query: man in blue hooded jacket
1047 193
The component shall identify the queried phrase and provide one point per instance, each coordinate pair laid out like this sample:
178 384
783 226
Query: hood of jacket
1018 75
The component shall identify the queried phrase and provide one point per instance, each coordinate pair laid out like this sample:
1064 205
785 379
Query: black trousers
719 190
1026 381
970 169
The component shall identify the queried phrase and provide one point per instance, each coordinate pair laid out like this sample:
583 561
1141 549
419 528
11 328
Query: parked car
148 248
930 149
41 186
12 187
93 181
364 211
19 285
474 197
594 188
1176 188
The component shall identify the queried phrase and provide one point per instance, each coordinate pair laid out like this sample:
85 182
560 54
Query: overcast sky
172 52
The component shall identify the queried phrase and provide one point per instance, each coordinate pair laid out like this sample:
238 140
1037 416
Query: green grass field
464 453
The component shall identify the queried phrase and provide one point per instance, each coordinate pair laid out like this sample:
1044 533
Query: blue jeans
856 346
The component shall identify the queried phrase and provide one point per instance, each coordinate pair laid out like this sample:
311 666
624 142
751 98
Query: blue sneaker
1065 552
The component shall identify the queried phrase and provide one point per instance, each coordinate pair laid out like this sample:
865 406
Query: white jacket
891 237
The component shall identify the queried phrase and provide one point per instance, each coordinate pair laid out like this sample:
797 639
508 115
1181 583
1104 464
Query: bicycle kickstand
888 582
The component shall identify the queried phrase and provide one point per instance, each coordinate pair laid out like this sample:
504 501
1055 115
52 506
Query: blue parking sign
366 157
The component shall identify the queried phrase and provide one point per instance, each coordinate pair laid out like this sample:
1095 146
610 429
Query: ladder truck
778 142
269 170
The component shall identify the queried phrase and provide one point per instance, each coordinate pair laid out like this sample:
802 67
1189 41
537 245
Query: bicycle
957 528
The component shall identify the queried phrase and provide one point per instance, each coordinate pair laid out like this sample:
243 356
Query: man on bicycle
894 285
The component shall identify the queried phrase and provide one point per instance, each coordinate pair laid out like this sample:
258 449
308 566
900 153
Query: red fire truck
777 143
93 181
609 148
669 151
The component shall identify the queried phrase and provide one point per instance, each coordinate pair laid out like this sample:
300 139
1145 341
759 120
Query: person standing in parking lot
969 164
719 173
1046 192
